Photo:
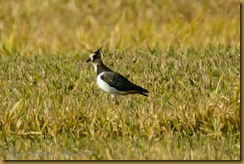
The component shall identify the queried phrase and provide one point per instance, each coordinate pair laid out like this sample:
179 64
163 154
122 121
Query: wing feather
121 83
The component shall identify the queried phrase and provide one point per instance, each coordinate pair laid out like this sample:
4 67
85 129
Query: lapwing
113 82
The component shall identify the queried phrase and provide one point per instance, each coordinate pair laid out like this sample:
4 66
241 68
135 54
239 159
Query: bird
112 82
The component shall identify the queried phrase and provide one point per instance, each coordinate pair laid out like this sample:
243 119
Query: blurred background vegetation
72 25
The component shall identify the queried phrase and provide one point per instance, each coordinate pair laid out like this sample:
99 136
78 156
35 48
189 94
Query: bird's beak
88 60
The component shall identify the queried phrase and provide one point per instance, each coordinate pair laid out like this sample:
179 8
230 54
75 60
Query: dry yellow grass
186 53
80 25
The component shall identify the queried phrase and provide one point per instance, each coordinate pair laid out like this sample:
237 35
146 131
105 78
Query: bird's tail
139 90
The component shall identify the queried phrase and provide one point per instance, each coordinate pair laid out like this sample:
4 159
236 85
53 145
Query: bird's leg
114 99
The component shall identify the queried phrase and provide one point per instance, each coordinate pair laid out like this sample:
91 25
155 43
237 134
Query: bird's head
95 57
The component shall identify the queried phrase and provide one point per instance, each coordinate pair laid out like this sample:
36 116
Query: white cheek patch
91 56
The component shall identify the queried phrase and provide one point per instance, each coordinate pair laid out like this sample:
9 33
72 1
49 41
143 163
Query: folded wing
122 84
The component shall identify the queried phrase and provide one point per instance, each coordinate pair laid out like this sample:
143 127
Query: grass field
186 53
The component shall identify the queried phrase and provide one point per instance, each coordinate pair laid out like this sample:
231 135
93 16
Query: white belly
105 87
